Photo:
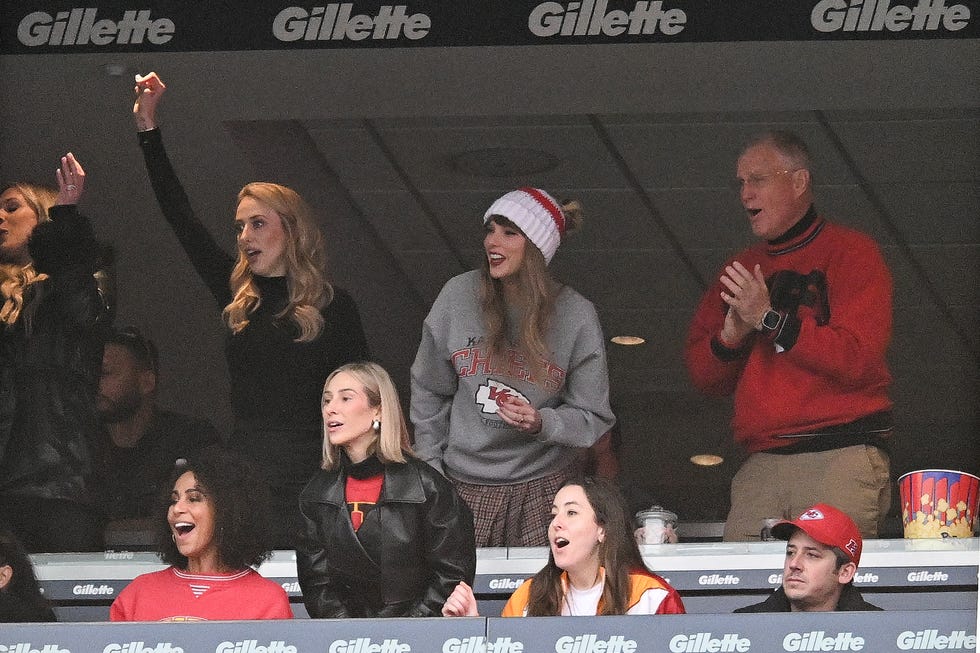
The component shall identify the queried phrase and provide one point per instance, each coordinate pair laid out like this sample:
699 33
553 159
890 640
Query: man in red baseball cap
823 550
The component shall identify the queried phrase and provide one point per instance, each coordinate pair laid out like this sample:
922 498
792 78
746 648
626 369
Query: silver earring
376 425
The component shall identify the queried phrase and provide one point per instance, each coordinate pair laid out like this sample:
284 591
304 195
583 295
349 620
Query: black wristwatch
770 321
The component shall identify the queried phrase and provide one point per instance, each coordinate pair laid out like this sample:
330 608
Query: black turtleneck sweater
276 383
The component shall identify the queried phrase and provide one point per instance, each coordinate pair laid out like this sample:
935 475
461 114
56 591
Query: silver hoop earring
376 425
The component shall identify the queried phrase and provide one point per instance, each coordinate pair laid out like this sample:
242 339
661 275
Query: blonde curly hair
15 279
305 259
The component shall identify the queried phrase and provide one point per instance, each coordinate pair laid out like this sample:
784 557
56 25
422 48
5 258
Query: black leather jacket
413 548
49 368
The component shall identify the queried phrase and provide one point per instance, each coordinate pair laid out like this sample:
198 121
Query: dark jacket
129 479
850 601
413 548
14 610
49 368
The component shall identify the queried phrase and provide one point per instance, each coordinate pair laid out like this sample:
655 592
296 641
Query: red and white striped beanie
536 213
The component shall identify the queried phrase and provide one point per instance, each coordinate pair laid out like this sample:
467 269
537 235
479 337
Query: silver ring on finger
71 187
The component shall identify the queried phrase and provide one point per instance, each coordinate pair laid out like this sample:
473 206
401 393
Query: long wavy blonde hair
14 279
305 260
537 293
392 443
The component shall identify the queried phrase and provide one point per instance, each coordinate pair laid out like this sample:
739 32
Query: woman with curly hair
594 566
21 599
215 529
510 380
288 328
51 315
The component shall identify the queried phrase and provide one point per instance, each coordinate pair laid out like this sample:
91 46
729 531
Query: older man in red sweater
797 327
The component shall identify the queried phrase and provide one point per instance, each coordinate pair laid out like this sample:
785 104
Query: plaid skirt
512 515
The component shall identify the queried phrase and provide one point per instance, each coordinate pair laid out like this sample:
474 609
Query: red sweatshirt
836 289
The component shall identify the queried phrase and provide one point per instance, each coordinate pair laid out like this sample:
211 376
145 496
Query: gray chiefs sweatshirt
455 385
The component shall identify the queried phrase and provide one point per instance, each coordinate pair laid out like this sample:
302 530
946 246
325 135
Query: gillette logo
364 645
880 15
817 640
334 22
928 577
27 647
79 27
482 645
592 17
705 643
931 640
505 583
592 644
866 577
91 589
718 579
140 647
252 646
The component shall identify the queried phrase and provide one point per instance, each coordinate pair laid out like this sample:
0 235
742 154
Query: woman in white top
594 566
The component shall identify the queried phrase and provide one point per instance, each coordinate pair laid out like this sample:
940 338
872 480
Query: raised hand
71 180
149 89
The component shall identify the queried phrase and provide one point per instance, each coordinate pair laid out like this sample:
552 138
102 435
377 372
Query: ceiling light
707 459
114 69
627 340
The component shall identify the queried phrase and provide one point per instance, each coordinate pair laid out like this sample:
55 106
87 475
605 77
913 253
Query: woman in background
51 315
21 599
510 379
386 535
594 566
215 528
288 327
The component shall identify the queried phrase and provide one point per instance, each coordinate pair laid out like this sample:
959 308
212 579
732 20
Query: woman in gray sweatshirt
510 378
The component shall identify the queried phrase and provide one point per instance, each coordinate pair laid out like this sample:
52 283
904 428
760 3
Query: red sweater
834 371
174 595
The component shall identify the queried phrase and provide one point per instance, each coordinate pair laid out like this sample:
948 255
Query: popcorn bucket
939 503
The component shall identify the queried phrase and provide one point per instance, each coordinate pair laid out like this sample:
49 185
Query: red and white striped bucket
939 503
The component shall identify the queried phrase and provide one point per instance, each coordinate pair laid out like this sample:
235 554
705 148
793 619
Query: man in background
141 442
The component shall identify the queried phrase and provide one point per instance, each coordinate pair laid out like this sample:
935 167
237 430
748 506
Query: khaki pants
854 479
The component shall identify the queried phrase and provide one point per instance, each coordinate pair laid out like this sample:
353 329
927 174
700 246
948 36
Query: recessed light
707 459
627 340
